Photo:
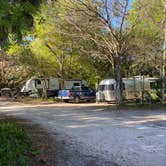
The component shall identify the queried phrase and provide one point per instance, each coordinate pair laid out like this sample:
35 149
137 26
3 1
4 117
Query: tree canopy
88 39
16 17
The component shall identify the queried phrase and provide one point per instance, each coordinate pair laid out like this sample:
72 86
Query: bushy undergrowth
15 145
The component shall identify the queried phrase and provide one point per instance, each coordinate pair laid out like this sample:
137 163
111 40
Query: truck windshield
76 88
85 88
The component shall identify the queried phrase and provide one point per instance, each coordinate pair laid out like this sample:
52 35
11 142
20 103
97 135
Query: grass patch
15 145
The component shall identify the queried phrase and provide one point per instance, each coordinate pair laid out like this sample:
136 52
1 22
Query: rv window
101 87
159 84
109 87
123 86
38 82
76 84
152 85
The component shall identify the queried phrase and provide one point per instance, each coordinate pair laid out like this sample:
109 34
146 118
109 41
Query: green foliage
16 17
14 70
148 17
58 52
14 145
70 43
147 37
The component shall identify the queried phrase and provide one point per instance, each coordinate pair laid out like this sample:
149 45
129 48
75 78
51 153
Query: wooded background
90 40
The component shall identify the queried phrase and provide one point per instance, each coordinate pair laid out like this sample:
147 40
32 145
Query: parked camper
133 88
69 84
35 86
106 91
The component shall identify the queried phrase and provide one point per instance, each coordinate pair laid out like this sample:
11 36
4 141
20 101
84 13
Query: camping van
132 88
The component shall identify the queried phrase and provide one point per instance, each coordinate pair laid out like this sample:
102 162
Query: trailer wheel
66 101
77 99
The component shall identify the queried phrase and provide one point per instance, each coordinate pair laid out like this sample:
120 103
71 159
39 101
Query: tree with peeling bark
55 40
104 24
50 42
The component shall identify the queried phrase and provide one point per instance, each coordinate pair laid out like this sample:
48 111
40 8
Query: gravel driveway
122 137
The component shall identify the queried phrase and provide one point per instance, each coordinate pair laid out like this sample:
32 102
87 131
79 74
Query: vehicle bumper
65 98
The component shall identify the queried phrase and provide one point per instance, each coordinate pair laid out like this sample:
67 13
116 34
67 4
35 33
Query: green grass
15 145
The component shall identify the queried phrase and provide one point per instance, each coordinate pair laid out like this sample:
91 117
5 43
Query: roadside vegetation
23 143
15 145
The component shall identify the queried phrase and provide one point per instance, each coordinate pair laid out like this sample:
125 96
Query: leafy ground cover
15 145
23 143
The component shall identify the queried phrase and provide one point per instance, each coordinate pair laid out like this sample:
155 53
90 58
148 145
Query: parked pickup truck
77 94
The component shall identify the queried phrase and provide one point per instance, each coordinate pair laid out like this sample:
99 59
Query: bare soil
51 151
91 135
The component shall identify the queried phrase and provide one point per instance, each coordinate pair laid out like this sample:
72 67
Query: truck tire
77 99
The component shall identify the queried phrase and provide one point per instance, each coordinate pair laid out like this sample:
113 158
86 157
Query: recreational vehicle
133 88
35 86
69 84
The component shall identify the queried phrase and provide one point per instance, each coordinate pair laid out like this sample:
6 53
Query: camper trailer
35 86
69 84
133 88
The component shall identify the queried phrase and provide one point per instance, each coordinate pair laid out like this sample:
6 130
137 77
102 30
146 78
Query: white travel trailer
35 86
132 88
68 84
106 90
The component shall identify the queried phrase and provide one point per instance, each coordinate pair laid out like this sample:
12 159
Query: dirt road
121 137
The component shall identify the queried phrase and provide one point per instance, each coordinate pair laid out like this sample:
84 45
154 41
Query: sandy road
122 137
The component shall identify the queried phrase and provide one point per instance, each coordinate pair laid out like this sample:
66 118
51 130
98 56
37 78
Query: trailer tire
66 101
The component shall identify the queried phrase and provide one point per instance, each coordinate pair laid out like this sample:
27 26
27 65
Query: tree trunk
164 53
62 71
44 94
118 78
62 77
